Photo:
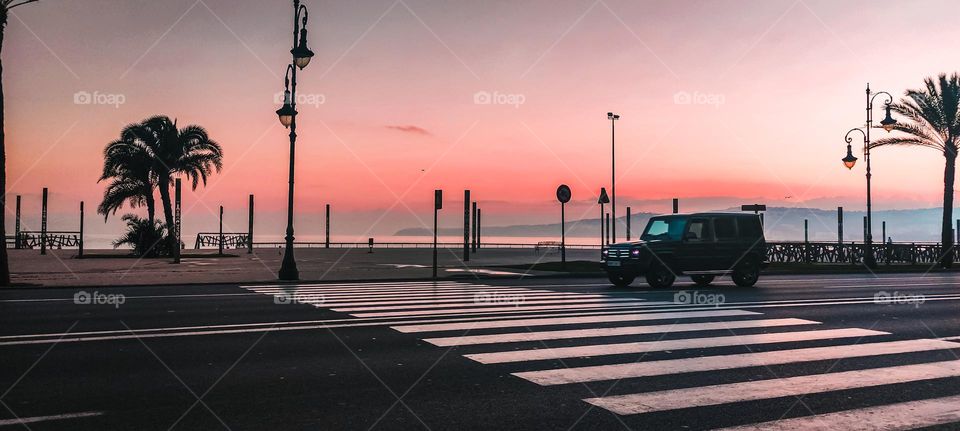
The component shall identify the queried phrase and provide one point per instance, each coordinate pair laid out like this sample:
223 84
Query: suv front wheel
660 277
747 274
621 280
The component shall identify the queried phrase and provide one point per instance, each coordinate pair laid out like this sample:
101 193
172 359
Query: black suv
701 245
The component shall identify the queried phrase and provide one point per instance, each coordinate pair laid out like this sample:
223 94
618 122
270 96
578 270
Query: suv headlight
635 252
604 253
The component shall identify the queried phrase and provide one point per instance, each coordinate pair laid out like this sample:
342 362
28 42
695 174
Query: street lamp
288 117
613 174
888 124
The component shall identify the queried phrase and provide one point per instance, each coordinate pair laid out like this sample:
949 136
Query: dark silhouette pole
604 199
437 206
326 242
609 241
473 245
676 206
628 223
840 225
288 117
466 225
563 195
250 226
177 198
848 161
478 228
80 243
220 236
613 174
16 238
43 224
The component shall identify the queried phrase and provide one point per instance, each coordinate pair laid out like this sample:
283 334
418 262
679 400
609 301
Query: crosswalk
535 332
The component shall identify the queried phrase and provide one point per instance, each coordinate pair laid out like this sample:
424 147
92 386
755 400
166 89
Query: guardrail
454 245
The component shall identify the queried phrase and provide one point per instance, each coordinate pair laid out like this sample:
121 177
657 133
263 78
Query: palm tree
188 151
128 162
5 6
934 112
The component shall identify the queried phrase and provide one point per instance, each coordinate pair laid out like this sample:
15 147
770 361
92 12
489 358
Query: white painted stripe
395 295
773 388
521 303
503 309
892 417
385 283
35 419
391 291
550 321
518 337
728 362
663 345
454 301
957 338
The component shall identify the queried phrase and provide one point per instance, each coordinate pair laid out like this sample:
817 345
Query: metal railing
853 253
230 240
54 239
427 245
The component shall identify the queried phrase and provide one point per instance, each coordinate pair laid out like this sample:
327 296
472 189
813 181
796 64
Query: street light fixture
888 123
288 117
613 175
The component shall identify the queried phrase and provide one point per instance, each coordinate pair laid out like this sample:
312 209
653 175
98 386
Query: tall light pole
613 175
288 117
850 160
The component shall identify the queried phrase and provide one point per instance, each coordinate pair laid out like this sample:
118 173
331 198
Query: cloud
409 128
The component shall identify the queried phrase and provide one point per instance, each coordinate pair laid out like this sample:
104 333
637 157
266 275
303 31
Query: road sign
754 208
563 193
604 199
438 199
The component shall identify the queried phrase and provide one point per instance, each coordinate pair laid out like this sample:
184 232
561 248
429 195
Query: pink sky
398 81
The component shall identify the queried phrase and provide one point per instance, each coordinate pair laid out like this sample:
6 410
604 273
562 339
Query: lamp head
850 159
888 122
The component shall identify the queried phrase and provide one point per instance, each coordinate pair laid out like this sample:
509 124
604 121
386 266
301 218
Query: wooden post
437 205
676 206
466 225
326 243
628 223
177 196
806 241
220 235
250 226
43 224
16 238
80 244
478 229
473 244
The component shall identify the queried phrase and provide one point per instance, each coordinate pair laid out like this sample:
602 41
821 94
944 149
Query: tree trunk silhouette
167 208
151 204
4 263
946 235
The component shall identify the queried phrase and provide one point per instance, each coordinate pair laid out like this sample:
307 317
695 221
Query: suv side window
725 228
698 231
750 228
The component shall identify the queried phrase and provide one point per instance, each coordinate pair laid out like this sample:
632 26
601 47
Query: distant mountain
780 223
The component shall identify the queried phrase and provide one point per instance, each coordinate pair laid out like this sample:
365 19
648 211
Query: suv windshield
664 229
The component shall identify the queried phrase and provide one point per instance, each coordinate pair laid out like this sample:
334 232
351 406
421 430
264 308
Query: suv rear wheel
747 273
702 280
660 277
621 280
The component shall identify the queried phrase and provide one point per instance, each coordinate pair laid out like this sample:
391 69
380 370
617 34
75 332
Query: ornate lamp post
288 117
613 175
850 160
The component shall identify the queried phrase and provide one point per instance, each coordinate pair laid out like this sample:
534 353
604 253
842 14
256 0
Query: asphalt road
827 352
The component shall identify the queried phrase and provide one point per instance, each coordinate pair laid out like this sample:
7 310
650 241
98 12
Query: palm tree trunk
4 263
165 199
151 203
946 235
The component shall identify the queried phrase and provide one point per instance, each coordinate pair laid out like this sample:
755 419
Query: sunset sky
389 108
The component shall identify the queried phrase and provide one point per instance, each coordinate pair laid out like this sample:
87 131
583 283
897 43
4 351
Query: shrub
148 239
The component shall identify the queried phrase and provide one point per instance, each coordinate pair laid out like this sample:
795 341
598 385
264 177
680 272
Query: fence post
326 243
177 196
250 226
220 234
628 223
466 225
81 231
676 206
43 224
16 238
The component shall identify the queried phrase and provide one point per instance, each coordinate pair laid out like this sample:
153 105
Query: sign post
80 244
220 235
437 206
604 199
43 224
466 225
250 228
16 238
563 195
176 223
326 243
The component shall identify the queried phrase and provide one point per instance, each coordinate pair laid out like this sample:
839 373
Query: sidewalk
61 268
